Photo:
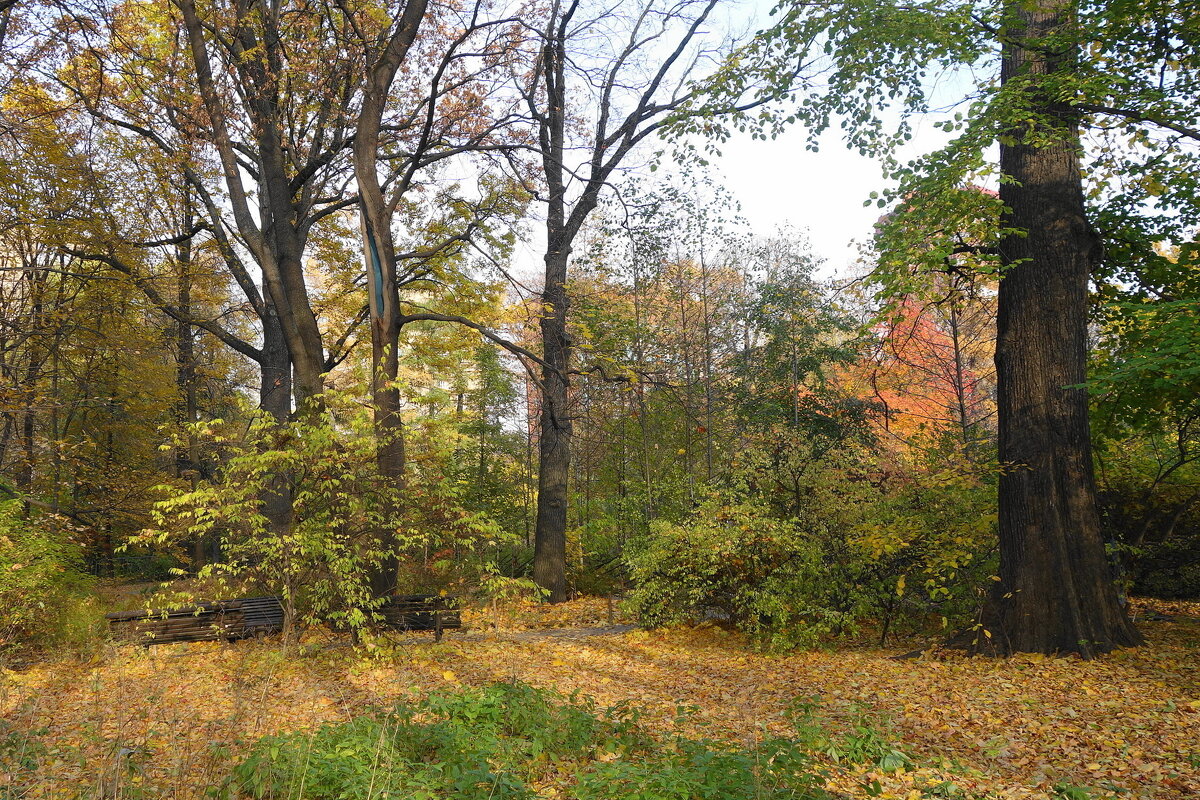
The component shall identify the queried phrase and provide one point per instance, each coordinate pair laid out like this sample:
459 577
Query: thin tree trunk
689 378
35 278
55 429
384 299
639 356
28 426
960 376
708 368
528 515
6 435
554 429
1055 592
187 459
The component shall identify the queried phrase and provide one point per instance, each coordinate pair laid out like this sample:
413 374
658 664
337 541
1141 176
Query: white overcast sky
781 183
821 193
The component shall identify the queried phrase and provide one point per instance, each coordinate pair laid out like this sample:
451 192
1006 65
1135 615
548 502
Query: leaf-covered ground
166 723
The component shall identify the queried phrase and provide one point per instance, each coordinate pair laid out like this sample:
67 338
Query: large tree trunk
554 433
277 238
1055 592
389 456
275 368
275 397
284 276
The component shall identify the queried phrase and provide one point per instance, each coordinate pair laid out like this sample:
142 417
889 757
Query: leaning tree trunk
384 58
554 434
1055 592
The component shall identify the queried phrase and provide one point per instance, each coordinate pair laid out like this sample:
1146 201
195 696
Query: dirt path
533 635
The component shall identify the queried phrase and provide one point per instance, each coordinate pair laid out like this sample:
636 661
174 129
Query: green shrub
1169 568
926 548
21 755
508 741
319 562
912 545
44 598
346 520
736 561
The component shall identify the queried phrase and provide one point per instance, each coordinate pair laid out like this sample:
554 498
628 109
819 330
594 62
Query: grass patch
512 741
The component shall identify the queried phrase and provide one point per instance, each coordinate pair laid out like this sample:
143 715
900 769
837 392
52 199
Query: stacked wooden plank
421 612
203 622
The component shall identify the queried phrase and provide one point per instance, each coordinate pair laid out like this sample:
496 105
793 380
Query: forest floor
168 721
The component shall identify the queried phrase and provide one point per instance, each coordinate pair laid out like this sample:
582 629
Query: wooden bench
421 612
204 622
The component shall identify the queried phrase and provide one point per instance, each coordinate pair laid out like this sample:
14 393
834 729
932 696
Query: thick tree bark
275 397
274 368
554 421
283 272
554 432
1055 592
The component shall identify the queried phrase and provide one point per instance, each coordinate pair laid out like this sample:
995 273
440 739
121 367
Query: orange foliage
929 372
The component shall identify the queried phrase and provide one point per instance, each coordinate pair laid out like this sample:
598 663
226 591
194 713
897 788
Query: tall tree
384 50
1055 592
290 142
406 127
625 72
262 163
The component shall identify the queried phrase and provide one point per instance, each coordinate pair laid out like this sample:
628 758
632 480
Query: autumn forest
396 401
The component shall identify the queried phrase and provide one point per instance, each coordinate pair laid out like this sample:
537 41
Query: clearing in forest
181 715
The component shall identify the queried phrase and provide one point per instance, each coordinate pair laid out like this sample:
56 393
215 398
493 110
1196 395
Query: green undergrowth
511 741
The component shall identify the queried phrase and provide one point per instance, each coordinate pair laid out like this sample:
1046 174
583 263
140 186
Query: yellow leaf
448 675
